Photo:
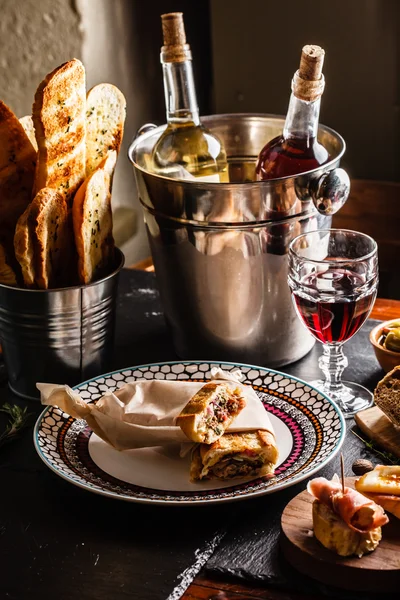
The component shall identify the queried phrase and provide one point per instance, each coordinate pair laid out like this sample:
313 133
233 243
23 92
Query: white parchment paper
142 413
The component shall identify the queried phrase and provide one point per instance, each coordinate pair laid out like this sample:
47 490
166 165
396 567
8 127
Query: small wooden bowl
386 358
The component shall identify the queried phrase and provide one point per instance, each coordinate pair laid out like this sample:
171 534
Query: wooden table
204 588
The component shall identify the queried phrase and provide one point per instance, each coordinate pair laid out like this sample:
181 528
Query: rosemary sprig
387 456
18 419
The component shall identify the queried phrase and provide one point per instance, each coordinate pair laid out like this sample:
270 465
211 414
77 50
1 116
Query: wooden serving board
378 571
375 424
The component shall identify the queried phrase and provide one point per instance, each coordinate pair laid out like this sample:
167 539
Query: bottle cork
308 82
175 48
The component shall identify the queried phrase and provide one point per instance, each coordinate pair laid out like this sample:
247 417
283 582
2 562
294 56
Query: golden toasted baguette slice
29 129
108 163
17 170
52 239
105 114
92 223
7 274
23 246
59 117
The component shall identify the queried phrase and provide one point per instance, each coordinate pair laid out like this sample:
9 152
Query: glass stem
332 363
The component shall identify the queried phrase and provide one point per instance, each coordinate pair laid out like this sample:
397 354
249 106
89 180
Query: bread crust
260 444
105 117
92 225
52 242
59 117
7 274
260 441
23 246
196 465
27 124
17 169
387 395
333 533
192 417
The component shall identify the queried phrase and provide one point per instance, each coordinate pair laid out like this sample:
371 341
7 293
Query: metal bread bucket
58 336
220 249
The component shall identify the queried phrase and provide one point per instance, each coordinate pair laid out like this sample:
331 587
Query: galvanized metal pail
220 249
58 336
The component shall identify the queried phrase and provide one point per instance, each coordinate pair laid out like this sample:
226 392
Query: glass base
352 398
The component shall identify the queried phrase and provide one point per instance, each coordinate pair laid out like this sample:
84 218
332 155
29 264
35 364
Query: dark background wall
246 51
256 49
198 32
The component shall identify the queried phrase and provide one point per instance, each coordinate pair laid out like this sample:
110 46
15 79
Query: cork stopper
175 48
308 82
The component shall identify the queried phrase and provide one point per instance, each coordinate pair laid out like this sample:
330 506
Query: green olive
392 341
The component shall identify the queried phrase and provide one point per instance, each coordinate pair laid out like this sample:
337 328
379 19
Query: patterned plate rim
292 480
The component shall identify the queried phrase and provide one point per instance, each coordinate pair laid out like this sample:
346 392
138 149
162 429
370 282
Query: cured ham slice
358 512
388 502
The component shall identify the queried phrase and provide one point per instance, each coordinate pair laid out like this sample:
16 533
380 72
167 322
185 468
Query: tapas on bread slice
344 520
382 485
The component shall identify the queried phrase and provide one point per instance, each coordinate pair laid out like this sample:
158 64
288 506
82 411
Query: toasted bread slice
29 129
23 245
17 170
59 117
387 395
105 114
7 274
92 223
108 163
52 239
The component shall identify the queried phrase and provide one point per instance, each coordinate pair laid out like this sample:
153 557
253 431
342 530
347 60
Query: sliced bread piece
105 114
92 224
52 239
17 170
27 124
59 117
7 274
387 395
108 163
23 246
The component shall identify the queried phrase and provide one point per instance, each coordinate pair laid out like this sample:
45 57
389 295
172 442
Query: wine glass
333 276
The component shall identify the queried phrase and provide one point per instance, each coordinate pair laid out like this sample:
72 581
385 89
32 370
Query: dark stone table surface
58 541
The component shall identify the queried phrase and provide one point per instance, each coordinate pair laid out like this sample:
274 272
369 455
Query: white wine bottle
186 149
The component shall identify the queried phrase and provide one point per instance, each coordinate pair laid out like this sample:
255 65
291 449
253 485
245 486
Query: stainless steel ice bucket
220 250
58 336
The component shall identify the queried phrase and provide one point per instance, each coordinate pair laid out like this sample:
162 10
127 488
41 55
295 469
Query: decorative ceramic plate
309 430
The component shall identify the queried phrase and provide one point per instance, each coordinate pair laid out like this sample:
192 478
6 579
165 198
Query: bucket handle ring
328 191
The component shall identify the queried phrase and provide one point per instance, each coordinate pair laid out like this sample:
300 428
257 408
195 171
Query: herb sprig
18 419
387 456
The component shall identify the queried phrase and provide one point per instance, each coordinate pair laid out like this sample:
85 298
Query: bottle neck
180 93
302 118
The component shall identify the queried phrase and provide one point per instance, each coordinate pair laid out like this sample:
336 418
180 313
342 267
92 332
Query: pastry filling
237 465
220 409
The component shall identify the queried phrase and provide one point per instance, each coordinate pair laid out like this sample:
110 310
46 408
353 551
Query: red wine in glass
330 305
333 276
